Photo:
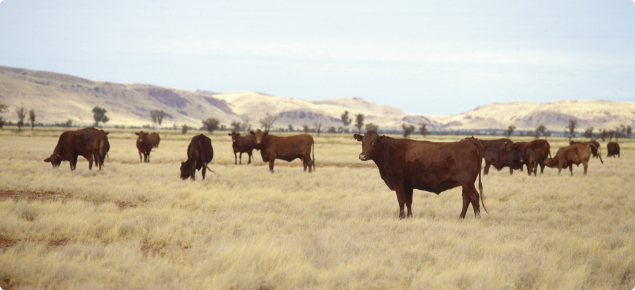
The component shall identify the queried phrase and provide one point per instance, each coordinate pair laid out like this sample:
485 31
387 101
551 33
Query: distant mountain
59 97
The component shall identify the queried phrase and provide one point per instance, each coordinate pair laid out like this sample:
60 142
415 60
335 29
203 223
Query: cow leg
486 168
249 154
511 168
529 169
409 192
401 199
571 169
90 161
193 172
586 165
140 158
235 158
148 156
542 166
240 158
271 164
470 195
204 169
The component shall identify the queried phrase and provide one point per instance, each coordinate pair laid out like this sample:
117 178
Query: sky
424 57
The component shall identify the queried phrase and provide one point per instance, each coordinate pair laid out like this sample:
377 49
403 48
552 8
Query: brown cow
501 158
88 142
199 153
530 160
541 149
285 148
574 154
614 149
405 165
242 144
145 143
501 144
594 151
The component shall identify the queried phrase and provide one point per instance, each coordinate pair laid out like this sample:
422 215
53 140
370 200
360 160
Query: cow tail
313 162
599 153
479 148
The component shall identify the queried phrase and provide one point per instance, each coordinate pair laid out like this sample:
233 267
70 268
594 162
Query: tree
99 115
572 125
510 130
605 134
268 121
246 126
629 131
210 124
318 127
332 130
236 125
305 128
588 133
3 108
423 130
21 112
407 130
372 127
291 128
157 116
346 120
32 118
359 122
541 130
184 129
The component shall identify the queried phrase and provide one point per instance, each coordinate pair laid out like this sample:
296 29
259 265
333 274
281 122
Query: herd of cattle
403 164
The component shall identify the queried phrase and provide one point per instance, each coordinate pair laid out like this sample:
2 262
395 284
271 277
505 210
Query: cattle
570 155
500 158
594 151
199 154
145 143
243 144
285 148
614 149
501 144
406 164
541 149
90 143
530 160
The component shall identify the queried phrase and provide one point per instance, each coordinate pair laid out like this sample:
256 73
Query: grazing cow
405 165
614 149
242 144
88 142
285 148
199 153
501 144
145 143
501 158
594 151
574 154
541 149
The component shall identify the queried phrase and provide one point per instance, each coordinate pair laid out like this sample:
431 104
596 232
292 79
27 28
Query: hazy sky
429 57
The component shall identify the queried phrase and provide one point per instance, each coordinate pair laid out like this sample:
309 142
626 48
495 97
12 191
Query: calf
285 148
614 149
88 142
405 165
574 154
541 149
594 151
242 144
199 153
501 158
145 143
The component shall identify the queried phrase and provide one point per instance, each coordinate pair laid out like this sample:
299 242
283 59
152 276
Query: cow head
186 169
55 159
370 144
259 135
141 135
550 162
234 136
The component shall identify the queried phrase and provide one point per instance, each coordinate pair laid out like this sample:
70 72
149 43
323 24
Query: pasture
139 226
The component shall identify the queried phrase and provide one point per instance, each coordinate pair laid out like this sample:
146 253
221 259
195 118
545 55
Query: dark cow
501 158
594 151
243 144
285 148
199 153
405 165
530 160
145 143
541 149
501 144
88 142
614 149
570 155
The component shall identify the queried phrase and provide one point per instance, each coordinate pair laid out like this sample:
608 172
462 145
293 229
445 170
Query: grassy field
138 226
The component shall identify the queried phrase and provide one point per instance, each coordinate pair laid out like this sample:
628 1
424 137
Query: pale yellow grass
138 226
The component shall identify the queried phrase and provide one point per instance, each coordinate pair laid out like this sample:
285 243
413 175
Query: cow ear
47 160
106 133
237 134
252 133
229 134
136 133
358 137
380 138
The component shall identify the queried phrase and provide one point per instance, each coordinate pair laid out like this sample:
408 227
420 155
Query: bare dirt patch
51 197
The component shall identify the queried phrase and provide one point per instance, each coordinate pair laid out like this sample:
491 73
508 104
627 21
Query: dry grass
138 226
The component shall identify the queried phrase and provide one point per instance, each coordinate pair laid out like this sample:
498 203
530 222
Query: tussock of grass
245 228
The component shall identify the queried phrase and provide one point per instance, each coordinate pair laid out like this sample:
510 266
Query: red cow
285 148
242 144
88 142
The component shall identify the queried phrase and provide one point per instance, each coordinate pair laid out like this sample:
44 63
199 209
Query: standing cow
501 158
285 148
500 144
594 151
614 149
570 155
243 144
541 149
88 142
406 164
145 143
199 153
